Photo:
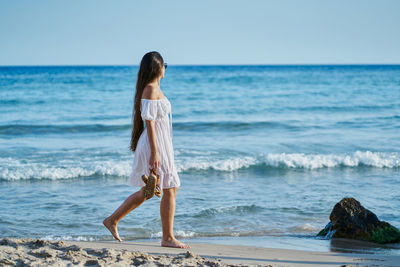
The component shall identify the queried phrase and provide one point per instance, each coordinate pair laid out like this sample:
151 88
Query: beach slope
37 252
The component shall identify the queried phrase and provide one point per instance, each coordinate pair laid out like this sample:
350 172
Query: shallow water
262 151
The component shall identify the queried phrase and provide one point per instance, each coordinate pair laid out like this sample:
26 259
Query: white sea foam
70 238
17 169
304 228
178 234
13 169
204 163
316 161
158 235
293 160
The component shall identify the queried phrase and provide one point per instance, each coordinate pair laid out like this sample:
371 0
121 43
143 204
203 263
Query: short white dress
157 110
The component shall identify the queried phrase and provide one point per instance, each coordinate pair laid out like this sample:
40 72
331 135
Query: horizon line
205 65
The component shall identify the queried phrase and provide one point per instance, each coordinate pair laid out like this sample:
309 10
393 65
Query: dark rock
349 219
92 263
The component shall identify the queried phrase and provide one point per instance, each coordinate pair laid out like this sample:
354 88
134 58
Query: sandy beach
37 252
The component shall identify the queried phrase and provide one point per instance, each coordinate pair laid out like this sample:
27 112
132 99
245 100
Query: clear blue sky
86 32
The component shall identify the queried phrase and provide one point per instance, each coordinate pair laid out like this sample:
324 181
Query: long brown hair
150 68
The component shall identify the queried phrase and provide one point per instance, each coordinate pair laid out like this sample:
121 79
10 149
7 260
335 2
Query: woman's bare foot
112 227
174 243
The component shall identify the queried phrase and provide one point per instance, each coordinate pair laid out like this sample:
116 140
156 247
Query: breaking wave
295 160
13 169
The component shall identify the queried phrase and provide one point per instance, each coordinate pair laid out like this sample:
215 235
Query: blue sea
263 152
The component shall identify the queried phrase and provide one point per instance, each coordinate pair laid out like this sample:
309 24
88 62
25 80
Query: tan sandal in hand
152 184
157 190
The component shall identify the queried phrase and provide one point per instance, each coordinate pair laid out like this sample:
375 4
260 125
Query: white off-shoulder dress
160 111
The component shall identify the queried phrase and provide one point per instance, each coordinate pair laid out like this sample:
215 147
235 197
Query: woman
153 149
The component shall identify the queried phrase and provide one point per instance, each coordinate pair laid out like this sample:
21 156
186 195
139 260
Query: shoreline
36 252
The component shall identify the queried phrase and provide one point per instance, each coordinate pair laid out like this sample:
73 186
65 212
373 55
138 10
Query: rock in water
349 219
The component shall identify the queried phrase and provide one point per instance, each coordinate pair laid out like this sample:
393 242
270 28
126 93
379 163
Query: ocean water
263 152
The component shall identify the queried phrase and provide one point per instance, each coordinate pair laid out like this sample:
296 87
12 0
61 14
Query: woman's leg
167 212
131 203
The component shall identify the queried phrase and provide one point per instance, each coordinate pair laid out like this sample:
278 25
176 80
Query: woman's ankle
168 238
111 220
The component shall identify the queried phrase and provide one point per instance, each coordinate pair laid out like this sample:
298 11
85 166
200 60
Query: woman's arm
154 161
151 92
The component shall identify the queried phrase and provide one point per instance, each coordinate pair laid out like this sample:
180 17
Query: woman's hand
154 161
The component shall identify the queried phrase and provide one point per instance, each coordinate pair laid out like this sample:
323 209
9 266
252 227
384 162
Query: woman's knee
170 191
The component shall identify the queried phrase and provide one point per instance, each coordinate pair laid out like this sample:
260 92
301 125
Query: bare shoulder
150 92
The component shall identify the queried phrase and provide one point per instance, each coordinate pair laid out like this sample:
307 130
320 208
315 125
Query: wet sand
37 252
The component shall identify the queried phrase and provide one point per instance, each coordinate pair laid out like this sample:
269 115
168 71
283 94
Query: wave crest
11 169
316 161
294 160
15 169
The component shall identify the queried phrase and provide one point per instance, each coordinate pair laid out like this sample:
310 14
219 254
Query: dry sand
37 252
